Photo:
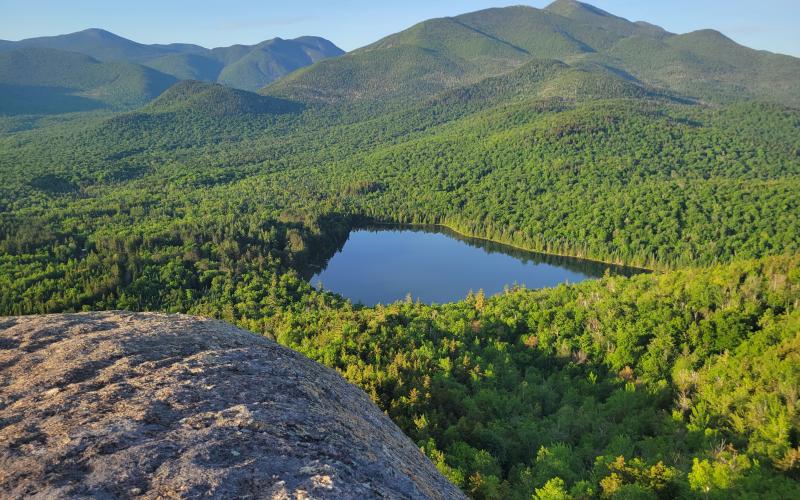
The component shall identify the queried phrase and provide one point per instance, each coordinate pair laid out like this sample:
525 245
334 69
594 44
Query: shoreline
642 270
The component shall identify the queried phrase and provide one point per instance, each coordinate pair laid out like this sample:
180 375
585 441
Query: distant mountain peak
566 7
248 67
442 54
710 34
99 32
93 35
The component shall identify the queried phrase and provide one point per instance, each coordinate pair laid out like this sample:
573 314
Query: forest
678 383
623 387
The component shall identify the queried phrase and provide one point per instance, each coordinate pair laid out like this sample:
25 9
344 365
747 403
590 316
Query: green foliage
187 66
590 180
239 66
503 409
552 490
457 51
41 81
215 100
219 202
270 60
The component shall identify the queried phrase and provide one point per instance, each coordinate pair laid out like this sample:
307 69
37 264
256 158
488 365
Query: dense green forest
677 384
219 211
670 386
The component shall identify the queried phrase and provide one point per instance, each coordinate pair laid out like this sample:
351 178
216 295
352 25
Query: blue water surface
385 265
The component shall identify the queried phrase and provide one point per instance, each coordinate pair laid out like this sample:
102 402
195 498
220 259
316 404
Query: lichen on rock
120 404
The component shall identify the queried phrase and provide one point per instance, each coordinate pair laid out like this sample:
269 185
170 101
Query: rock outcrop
149 405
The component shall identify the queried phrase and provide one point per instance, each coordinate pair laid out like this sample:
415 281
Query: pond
435 265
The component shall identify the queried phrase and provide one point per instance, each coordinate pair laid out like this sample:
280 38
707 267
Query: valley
566 136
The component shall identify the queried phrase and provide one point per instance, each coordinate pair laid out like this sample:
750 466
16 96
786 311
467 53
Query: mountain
546 79
270 60
97 43
589 15
708 65
179 406
213 99
445 53
247 67
188 66
564 130
45 81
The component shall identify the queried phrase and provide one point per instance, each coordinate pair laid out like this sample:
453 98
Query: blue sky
764 24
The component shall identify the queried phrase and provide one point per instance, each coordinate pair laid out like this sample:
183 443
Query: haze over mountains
94 69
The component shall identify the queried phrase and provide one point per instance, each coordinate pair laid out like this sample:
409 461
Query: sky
760 24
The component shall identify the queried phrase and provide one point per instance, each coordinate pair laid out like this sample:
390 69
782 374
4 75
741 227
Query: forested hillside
672 386
219 202
46 81
94 69
449 52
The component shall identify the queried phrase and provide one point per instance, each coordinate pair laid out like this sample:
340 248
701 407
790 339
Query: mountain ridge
214 99
269 60
580 135
464 49
48 80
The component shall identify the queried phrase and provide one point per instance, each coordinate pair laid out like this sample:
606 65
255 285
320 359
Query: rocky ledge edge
119 404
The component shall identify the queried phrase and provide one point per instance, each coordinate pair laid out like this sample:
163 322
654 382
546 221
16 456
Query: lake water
384 265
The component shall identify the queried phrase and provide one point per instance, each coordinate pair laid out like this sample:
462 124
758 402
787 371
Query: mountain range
94 69
445 53
565 130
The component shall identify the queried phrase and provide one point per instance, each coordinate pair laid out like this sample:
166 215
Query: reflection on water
382 264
